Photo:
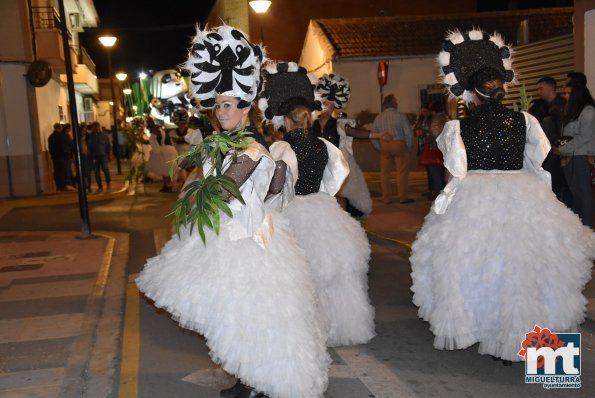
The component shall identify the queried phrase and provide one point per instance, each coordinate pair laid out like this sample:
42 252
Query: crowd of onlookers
96 152
567 118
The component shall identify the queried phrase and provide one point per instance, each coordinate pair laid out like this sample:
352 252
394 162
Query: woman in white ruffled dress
336 246
498 253
248 290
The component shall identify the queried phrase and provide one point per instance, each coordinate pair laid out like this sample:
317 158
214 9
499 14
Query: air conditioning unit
76 23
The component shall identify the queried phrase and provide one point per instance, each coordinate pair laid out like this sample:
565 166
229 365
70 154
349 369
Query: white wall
313 57
15 129
589 43
49 98
104 114
18 173
405 75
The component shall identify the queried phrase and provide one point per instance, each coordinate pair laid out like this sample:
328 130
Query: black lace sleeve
240 170
278 180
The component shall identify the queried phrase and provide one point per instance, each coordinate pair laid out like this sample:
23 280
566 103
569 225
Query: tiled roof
423 35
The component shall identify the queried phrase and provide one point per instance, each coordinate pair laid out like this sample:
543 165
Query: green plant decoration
201 200
525 101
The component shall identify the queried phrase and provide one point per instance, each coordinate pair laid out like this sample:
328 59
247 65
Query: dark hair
577 78
578 99
550 81
488 83
388 101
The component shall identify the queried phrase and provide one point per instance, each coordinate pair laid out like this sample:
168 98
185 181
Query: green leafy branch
201 201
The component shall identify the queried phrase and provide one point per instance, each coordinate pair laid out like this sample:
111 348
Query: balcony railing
45 18
84 58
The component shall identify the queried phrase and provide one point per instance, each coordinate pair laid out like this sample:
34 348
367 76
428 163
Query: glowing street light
108 42
127 91
121 76
260 6
142 75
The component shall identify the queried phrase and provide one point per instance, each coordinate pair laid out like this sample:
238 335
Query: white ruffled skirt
506 256
256 307
355 188
338 252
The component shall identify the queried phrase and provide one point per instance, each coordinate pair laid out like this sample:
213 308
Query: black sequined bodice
494 138
312 158
329 132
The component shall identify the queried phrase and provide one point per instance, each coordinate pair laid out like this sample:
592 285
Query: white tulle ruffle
506 256
338 252
257 308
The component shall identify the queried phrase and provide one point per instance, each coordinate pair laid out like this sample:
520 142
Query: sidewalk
60 309
119 188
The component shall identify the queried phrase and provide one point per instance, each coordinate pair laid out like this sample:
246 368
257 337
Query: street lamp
127 91
108 42
121 76
260 7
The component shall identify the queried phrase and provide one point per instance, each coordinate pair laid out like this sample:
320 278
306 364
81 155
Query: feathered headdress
333 88
286 85
464 54
224 62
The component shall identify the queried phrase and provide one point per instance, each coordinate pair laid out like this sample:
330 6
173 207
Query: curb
57 200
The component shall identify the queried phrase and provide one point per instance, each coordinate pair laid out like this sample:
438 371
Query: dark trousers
86 171
100 162
559 184
578 176
435 178
61 171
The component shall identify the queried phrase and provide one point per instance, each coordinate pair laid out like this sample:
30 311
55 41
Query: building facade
31 29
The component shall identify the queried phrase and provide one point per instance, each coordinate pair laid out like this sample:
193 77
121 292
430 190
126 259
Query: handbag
431 155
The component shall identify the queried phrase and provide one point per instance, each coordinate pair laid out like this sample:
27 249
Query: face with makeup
229 115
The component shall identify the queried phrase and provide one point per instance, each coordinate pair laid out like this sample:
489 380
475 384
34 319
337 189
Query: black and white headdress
224 62
333 88
464 54
286 85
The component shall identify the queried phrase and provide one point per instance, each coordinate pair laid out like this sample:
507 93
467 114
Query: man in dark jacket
551 123
60 151
99 149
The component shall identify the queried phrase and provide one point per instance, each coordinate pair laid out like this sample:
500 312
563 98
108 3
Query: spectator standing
60 151
99 148
551 123
578 154
395 151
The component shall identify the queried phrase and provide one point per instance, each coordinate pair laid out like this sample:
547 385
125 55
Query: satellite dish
39 73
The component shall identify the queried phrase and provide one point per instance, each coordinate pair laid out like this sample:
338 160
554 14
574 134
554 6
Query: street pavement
72 323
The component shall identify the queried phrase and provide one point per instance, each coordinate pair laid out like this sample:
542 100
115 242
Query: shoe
403 202
165 189
249 392
99 190
233 391
506 363
109 187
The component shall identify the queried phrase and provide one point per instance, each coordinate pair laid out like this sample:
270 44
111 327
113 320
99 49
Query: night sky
151 35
